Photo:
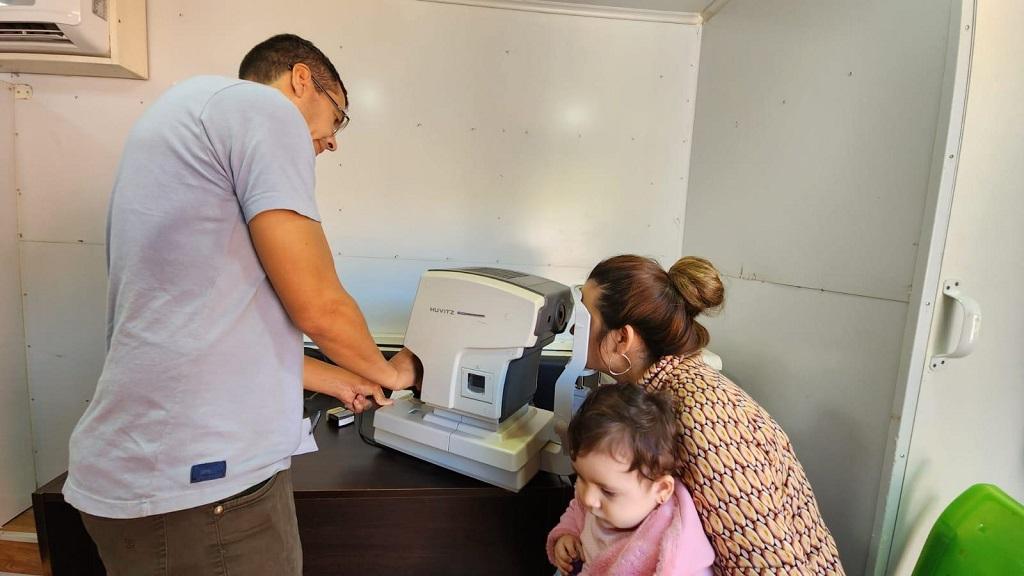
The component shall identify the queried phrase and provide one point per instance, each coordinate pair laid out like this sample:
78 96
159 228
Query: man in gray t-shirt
217 265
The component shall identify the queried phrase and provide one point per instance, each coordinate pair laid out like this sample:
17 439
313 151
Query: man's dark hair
276 55
624 419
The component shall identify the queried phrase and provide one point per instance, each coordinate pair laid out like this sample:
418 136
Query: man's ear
300 80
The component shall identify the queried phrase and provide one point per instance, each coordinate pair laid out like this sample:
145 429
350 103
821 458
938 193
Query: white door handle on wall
969 329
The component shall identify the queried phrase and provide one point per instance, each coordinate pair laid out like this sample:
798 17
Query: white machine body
467 329
479 333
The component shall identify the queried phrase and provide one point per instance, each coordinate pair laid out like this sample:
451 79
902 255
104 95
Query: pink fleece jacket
669 542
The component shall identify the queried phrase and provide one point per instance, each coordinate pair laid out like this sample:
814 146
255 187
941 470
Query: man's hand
567 550
361 398
409 370
355 392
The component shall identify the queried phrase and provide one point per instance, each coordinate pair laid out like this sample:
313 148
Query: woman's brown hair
661 306
625 419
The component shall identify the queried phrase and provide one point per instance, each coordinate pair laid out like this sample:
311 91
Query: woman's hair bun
698 282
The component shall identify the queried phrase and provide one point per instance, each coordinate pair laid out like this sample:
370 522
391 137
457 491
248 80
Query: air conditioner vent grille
32 32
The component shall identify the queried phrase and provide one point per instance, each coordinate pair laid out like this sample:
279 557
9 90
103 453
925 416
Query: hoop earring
629 366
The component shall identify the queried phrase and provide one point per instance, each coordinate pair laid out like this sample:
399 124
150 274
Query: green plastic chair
981 533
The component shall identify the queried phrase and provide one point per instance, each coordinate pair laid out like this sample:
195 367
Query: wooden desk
370 511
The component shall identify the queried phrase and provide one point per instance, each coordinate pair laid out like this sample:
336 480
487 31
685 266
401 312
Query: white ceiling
679 11
695 6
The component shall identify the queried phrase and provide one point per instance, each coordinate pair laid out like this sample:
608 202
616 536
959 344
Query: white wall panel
17 479
486 134
65 328
813 139
695 6
824 365
68 148
813 145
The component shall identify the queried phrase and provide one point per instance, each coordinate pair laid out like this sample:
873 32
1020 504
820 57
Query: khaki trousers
252 533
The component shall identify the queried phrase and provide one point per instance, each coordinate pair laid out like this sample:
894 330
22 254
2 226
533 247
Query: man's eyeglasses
341 116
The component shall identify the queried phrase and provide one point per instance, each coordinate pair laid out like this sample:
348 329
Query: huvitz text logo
447 311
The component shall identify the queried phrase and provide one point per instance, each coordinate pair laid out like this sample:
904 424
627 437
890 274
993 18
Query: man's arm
354 391
297 259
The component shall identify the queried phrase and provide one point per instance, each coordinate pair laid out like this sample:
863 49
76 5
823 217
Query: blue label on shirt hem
209 471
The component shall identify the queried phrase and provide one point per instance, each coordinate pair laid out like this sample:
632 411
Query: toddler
630 516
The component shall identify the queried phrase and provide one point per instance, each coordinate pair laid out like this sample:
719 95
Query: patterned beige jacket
752 495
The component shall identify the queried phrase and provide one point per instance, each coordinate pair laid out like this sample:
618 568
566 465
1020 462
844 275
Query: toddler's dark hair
623 419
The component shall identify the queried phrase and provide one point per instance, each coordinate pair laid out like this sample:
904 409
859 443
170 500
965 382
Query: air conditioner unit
74 37
55 27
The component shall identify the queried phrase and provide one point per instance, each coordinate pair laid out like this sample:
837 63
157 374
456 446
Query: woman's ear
627 340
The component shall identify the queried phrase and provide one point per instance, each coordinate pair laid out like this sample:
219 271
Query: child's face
617 497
